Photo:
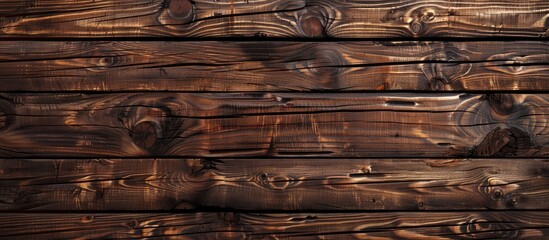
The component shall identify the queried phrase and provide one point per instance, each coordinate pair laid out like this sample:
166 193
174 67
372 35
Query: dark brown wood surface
234 225
273 66
274 18
273 184
274 124
281 119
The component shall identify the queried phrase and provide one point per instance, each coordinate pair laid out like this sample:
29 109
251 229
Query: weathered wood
274 18
274 124
273 66
231 225
273 184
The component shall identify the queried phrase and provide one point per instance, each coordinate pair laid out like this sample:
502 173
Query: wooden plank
274 124
274 18
273 66
230 225
273 184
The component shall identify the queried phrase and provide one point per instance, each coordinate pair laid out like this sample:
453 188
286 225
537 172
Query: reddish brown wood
234 225
273 124
274 66
274 18
273 184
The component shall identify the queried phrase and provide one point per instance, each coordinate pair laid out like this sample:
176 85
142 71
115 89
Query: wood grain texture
231 225
273 184
274 18
273 66
274 124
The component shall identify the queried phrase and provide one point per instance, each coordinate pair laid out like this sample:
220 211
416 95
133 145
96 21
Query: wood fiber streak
274 124
273 184
273 66
274 18
231 225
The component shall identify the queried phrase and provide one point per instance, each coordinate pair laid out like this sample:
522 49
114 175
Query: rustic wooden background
280 119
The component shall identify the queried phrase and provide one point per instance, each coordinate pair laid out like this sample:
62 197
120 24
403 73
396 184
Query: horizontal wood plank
273 66
273 124
273 184
231 225
274 18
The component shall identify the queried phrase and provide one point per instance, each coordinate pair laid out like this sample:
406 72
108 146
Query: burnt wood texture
275 124
274 66
234 225
273 185
282 119
274 18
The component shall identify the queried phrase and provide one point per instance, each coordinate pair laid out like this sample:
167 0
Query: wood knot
107 62
3 118
88 219
144 135
275 182
416 27
326 66
229 218
480 228
428 16
441 69
200 166
478 225
497 194
180 9
133 224
312 26
151 122
7 114
503 143
502 104
437 84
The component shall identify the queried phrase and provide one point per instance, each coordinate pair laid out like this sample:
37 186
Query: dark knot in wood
106 61
180 8
478 225
229 218
144 135
501 103
484 228
312 26
200 166
7 116
503 143
3 118
428 16
416 27
88 219
133 224
109 62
